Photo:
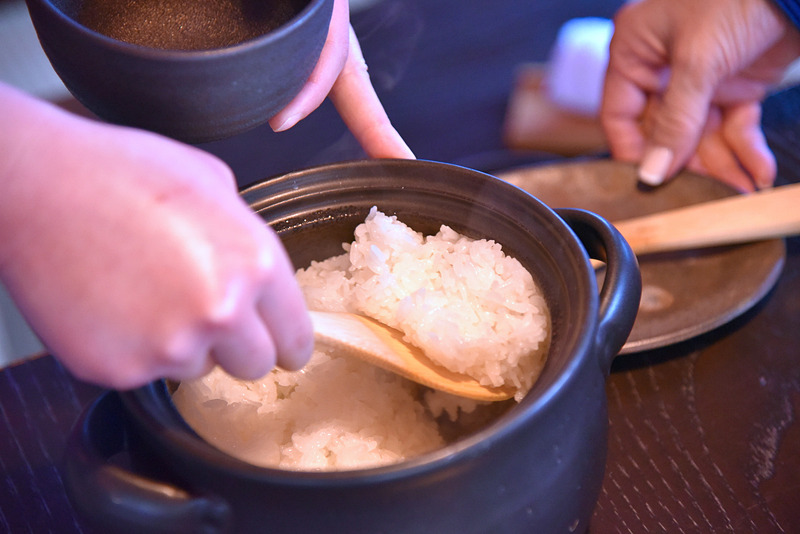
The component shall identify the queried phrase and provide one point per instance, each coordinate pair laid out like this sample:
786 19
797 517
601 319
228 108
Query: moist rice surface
470 307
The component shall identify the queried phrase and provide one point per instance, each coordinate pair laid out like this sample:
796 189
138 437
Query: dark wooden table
703 434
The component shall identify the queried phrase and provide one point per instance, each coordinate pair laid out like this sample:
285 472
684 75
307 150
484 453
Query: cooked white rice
463 301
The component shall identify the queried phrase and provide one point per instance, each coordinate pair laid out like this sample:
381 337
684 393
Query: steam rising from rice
470 307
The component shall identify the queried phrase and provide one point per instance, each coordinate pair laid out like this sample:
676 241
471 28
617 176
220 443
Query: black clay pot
191 95
537 468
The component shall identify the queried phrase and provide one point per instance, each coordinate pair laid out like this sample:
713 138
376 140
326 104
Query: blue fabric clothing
792 10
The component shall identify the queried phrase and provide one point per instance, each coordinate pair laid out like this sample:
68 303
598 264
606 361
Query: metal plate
684 293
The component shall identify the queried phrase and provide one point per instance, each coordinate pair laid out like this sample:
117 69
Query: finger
359 106
294 340
719 161
636 72
695 164
202 367
330 63
621 111
715 157
742 131
247 350
282 309
189 357
677 123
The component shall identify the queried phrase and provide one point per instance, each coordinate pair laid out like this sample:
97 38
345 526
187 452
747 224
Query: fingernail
655 164
290 121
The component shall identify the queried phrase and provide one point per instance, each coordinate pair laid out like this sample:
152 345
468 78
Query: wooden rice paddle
767 214
764 215
376 343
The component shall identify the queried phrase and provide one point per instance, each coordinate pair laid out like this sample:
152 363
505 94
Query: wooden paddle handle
765 214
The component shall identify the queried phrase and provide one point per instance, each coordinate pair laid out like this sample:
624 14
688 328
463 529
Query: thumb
674 125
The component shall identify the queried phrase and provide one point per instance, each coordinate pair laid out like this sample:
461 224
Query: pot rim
475 444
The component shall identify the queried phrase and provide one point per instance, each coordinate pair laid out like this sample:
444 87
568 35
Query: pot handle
114 498
622 286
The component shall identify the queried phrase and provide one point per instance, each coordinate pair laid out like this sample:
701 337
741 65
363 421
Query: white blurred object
23 63
578 62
